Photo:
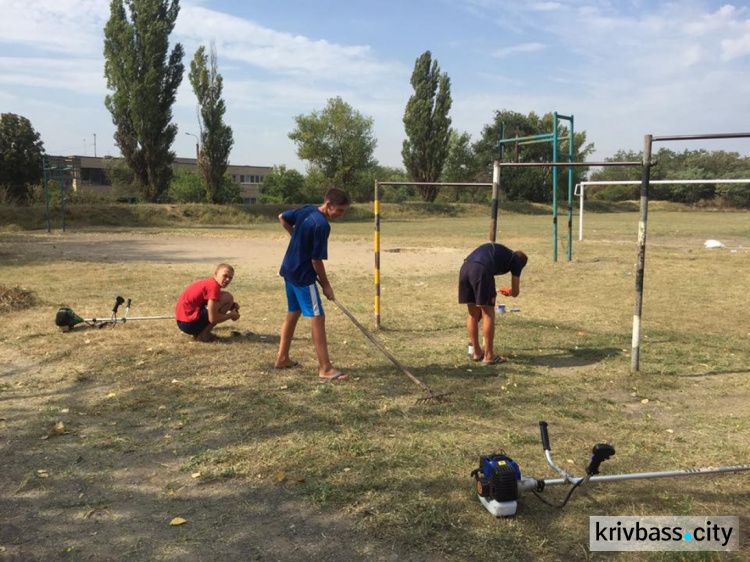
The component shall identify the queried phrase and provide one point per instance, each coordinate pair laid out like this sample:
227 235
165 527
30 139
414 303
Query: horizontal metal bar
565 117
454 184
541 141
699 137
544 136
662 182
565 164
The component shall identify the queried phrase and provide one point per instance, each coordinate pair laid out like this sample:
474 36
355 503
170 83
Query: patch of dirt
240 252
81 483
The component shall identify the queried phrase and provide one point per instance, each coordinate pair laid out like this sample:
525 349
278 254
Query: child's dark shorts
196 326
476 285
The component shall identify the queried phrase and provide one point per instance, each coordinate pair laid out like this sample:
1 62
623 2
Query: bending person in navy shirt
304 264
476 289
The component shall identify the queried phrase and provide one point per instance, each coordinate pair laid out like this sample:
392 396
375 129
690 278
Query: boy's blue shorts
306 299
196 326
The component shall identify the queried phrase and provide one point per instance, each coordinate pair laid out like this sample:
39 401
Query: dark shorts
476 285
196 326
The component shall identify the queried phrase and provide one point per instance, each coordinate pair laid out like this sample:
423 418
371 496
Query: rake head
432 396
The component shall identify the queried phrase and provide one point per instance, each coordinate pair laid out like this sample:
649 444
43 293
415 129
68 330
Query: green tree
528 184
143 76
427 125
282 185
21 154
461 166
338 140
216 136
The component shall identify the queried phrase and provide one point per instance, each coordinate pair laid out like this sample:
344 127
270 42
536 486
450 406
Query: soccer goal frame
580 189
648 141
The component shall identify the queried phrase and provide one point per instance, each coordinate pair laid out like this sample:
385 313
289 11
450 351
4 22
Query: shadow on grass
569 357
715 373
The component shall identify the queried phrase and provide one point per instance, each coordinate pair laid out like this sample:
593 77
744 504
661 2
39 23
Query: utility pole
197 147
94 145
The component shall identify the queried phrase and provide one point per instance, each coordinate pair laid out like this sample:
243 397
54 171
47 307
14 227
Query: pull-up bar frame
555 139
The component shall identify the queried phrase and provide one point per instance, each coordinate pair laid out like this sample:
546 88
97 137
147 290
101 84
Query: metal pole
94 145
701 137
495 193
62 195
554 188
580 213
376 205
641 264
46 191
571 155
197 147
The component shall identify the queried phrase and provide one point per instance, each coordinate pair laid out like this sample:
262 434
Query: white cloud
245 41
85 76
521 48
71 27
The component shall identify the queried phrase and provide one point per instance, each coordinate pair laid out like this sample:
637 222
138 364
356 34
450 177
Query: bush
186 187
614 192
230 192
15 298
734 195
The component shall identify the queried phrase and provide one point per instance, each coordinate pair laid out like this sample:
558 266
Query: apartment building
91 174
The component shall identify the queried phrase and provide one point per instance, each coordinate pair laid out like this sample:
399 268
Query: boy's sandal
496 360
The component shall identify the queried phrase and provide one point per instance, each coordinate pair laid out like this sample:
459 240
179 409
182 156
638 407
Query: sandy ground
262 255
47 518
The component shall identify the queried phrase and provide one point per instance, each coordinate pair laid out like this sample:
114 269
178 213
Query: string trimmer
499 481
431 395
66 319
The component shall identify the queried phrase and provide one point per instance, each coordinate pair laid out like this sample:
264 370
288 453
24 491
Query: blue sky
623 68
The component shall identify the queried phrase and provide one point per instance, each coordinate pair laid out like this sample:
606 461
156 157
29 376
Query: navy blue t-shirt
309 242
497 258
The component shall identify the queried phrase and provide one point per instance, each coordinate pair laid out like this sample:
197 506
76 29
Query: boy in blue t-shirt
309 228
476 289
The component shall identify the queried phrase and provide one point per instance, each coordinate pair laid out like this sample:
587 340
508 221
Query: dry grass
140 393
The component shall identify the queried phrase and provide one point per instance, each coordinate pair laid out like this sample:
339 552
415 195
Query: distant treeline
687 165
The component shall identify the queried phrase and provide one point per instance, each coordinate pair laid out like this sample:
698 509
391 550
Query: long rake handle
385 352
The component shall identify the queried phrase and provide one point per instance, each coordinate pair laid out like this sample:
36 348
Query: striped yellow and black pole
376 208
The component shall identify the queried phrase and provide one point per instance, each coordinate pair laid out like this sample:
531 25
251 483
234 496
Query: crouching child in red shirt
204 304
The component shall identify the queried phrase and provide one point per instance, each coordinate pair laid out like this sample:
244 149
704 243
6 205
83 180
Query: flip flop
339 376
292 365
496 360
482 357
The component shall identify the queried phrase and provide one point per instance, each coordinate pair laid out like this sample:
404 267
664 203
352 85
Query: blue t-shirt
498 259
309 242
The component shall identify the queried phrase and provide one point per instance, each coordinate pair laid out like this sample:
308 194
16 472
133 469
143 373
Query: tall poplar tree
216 136
427 125
143 75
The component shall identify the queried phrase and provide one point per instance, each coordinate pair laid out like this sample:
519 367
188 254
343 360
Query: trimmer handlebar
118 302
600 453
545 436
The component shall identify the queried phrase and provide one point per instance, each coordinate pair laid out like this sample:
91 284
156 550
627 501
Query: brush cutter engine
497 483
66 319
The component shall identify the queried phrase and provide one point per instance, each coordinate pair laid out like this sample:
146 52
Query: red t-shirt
195 297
